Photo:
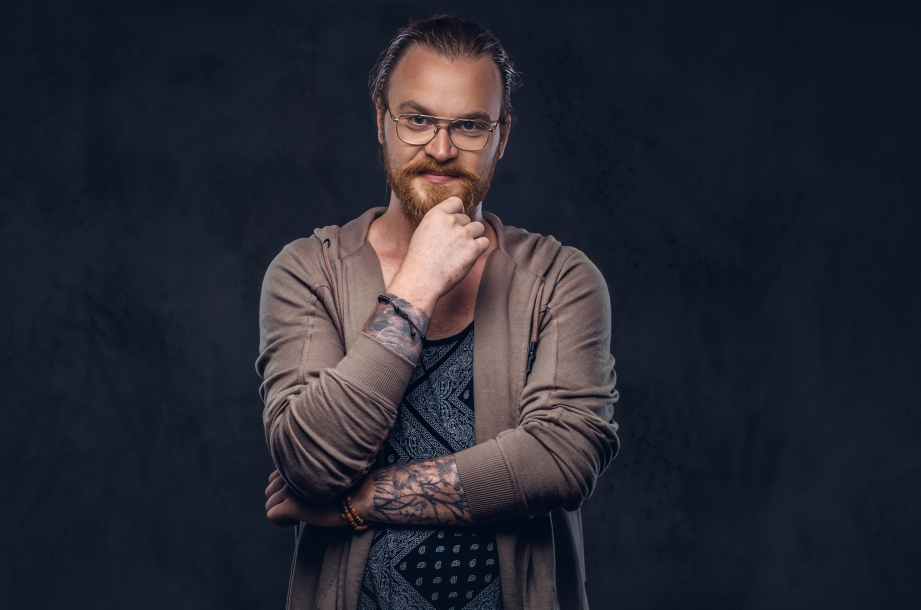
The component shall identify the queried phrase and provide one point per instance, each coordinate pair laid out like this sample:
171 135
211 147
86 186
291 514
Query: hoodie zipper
535 325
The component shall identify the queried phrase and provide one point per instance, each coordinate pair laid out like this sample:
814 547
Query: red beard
470 187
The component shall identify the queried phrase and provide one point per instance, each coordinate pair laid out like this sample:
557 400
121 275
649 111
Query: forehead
444 87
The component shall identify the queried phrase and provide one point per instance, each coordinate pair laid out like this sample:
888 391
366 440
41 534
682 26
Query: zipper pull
531 352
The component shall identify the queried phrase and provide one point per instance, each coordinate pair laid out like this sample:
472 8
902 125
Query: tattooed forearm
396 333
419 493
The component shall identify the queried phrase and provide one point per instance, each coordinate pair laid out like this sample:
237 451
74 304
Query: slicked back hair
450 37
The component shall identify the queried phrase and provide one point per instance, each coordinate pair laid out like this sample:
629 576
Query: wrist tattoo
420 493
398 330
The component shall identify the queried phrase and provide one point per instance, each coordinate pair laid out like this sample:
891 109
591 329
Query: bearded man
412 486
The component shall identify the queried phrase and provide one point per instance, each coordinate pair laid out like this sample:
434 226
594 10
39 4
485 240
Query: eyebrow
410 105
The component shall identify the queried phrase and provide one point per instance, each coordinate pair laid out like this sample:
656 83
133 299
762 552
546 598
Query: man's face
423 176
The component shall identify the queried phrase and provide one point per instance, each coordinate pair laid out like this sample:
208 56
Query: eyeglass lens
466 134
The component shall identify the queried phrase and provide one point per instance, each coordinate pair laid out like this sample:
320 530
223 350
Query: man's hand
284 510
443 249
427 492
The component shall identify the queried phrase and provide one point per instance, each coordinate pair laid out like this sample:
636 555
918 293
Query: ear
503 134
381 115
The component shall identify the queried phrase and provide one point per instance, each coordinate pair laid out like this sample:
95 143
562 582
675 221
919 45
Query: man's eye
471 126
418 120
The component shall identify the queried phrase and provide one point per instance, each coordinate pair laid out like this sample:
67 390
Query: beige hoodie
543 437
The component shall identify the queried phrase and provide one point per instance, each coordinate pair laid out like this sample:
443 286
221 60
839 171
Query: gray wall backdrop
745 175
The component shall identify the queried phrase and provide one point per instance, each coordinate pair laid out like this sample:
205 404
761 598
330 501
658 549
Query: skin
432 272
417 262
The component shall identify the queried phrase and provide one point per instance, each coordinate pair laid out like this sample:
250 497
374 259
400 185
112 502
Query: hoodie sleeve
327 412
565 436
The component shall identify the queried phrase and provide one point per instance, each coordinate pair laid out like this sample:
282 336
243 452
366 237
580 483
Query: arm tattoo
420 493
388 328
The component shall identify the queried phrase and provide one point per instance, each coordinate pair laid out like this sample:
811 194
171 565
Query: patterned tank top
420 567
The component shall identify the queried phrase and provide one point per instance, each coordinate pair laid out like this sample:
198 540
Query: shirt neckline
452 339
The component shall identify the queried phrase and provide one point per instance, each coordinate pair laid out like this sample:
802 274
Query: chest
436 415
504 300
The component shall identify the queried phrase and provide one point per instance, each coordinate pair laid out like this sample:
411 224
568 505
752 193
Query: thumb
452 205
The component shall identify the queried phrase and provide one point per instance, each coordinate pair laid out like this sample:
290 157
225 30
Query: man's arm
427 492
564 439
402 335
328 412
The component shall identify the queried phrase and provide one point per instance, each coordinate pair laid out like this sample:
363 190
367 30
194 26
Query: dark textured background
746 177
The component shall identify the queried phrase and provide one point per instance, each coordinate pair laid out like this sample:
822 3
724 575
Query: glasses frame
451 122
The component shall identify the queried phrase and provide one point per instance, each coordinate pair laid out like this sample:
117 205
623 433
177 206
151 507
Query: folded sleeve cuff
487 483
375 368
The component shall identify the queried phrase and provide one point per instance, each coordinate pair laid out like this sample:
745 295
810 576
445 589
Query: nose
441 148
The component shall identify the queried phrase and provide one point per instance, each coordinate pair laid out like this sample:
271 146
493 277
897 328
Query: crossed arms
328 412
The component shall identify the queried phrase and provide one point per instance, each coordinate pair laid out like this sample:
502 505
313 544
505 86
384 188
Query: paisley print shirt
450 567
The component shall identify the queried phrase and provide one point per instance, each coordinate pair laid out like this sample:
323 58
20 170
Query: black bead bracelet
383 298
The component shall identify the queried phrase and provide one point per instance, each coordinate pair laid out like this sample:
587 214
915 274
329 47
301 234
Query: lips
437 172
437 177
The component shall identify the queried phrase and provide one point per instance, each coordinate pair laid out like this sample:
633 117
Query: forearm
427 492
325 434
307 419
401 334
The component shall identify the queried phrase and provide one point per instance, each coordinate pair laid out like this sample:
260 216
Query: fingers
476 229
280 508
276 497
482 243
276 504
281 515
273 487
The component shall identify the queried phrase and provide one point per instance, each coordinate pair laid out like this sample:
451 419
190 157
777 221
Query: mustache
427 165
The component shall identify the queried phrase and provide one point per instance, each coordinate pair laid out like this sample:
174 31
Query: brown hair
453 38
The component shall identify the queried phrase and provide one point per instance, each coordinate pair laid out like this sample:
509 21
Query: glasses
465 134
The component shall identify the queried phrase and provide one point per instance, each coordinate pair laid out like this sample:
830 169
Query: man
425 469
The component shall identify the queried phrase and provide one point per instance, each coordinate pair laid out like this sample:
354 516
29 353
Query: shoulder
299 265
302 257
574 277
546 257
529 251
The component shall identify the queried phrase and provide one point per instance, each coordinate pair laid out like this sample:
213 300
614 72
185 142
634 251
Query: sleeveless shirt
421 567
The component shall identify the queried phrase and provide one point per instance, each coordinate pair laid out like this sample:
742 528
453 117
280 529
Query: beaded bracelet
383 298
351 515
